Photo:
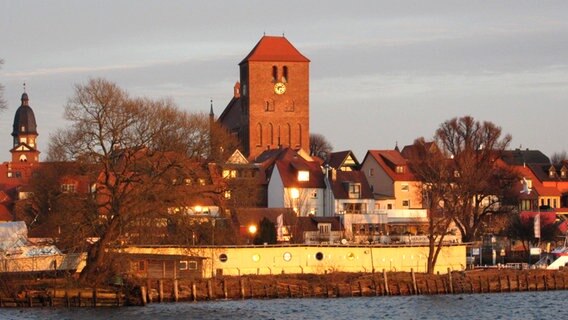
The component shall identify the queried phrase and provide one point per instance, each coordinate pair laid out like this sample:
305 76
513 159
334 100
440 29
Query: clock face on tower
279 88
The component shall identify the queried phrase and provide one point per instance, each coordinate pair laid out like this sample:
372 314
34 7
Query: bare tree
430 166
319 145
558 157
481 185
148 157
2 101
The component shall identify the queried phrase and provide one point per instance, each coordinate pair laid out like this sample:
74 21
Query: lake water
519 306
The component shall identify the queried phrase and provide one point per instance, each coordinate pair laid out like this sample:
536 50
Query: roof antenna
282 34
24 87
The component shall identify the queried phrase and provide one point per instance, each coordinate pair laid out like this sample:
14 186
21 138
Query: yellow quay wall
266 260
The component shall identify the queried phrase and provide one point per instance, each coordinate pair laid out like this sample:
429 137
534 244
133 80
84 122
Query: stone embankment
331 285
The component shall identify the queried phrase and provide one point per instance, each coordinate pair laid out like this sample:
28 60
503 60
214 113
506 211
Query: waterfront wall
266 260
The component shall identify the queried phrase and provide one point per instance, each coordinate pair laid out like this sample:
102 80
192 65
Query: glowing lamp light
294 193
198 209
252 229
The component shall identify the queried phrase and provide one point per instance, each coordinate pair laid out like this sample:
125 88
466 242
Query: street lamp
252 229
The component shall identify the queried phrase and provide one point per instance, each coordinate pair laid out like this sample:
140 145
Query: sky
382 72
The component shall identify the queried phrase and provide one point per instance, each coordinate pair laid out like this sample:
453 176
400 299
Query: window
551 173
274 73
270 134
290 106
183 265
289 134
227 194
371 172
68 188
406 203
354 208
324 227
229 173
259 129
314 194
303 175
399 169
192 265
354 191
389 206
201 181
285 74
314 211
269 105
404 187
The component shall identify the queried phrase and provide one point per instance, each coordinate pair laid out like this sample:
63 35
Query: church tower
271 106
25 134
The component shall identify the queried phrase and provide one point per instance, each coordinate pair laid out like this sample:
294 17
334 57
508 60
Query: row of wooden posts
92 297
377 284
452 283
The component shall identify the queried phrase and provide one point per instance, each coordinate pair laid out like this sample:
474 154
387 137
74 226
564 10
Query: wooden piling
209 290
225 292
176 290
289 292
414 286
450 283
375 287
143 295
509 283
360 289
194 291
386 282
161 290
242 288
94 296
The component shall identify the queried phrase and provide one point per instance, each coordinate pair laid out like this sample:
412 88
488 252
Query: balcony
316 237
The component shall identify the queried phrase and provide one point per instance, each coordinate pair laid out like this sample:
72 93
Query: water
522 305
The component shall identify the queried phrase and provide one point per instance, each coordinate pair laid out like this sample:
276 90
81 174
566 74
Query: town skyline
375 68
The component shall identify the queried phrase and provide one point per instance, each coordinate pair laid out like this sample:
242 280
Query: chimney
237 90
333 174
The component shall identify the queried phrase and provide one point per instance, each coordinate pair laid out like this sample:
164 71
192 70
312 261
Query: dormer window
563 172
303 175
551 173
399 169
354 191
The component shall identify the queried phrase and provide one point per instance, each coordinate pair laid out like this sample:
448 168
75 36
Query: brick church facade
271 103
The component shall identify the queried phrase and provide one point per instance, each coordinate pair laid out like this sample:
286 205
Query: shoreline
287 286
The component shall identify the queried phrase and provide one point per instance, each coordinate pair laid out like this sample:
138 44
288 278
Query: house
320 230
393 183
164 266
247 222
294 180
343 161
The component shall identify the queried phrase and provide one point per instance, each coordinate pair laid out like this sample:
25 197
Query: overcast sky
381 72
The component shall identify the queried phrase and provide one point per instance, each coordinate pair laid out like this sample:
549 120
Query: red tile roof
271 48
389 160
343 178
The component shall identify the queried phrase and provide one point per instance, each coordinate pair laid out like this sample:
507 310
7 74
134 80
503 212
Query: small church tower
25 134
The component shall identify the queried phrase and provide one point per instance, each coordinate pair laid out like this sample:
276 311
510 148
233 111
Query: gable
237 158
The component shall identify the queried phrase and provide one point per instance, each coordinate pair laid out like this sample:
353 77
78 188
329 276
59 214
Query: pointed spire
211 113
25 99
396 146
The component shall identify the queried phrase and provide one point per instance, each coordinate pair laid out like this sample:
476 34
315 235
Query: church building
271 103
25 154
